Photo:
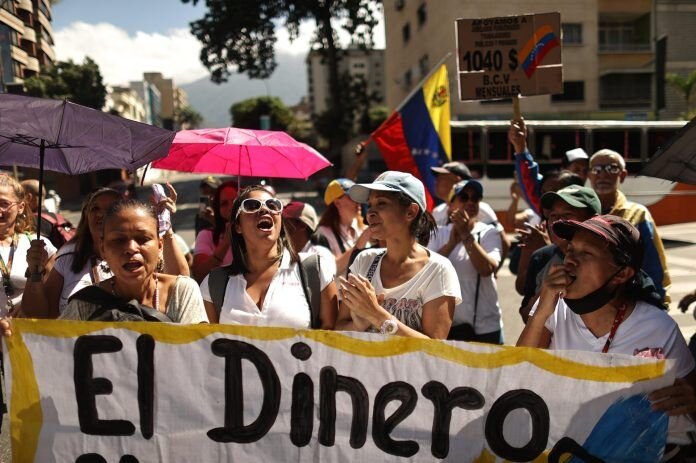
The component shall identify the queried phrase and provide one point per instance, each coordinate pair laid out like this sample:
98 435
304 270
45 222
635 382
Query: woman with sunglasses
264 286
131 245
404 289
474 249
212 247
16 236
79 263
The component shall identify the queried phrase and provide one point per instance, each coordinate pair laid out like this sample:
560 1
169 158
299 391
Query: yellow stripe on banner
26 417
501 357
437 100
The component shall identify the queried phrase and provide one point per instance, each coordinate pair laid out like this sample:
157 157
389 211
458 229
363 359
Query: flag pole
361 148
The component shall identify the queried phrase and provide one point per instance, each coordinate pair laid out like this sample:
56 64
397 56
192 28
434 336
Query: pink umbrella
243 152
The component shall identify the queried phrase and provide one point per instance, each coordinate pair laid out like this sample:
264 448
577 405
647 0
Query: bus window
499 149
551 145
501 170
658 138
466 145
625 142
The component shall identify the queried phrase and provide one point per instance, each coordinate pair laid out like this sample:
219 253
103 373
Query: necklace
615 326
155 299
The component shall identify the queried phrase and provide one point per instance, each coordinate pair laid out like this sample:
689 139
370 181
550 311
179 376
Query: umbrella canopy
243 152
676 160
76 139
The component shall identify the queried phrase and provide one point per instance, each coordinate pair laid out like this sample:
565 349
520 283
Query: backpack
309 277
111 308
61 230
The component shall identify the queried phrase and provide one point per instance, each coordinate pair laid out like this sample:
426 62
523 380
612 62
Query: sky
129 37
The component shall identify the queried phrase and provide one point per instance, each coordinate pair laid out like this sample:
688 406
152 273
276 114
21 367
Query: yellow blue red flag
416 137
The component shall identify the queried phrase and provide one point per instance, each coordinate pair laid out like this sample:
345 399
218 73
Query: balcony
32 64
29 34
47 49
19 55
24 5
624 33
11 20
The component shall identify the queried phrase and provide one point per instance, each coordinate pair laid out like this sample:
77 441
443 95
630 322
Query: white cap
576 154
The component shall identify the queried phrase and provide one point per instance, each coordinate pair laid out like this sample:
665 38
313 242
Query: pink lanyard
617 321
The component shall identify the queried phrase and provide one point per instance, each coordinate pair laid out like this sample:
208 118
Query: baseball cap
457 168
621 235
337 188
303 212
391 181
211 181
458 188
575 196
576 154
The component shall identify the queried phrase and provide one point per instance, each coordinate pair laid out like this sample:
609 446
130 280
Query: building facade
365 64
608 53
126 103
152 100
26 39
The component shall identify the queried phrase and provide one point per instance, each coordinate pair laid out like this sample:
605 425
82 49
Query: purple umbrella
65 137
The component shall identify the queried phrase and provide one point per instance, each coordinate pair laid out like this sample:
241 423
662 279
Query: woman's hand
6 327
359 296
462 224
37 256
553 288
169 202
364 238
533 237
677 399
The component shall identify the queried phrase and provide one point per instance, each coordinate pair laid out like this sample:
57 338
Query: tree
684 85
188 118
241 34
246 114
79 83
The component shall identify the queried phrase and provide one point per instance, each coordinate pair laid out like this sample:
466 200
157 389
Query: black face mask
594 300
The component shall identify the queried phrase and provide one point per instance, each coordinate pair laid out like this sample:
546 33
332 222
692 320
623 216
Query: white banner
107 392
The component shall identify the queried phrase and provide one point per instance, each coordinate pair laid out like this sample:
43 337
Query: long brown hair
332 219
239 253
220 222
25 221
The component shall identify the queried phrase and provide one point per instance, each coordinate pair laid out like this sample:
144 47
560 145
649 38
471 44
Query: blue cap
391 181
458 188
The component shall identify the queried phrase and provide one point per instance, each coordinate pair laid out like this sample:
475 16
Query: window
422 15
625 90
408 79
8 5
406 32
571 33
624 35
572 91
423 65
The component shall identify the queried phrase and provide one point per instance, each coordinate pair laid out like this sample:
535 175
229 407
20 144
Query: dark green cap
575 196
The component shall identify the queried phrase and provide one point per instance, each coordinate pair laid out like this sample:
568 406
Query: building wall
435 37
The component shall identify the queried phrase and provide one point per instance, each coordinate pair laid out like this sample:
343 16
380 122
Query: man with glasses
607 173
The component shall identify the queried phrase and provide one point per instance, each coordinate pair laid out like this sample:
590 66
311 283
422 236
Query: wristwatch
389 326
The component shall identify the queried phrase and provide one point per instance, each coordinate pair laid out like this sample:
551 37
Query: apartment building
608 53
366 64
125 102
26 39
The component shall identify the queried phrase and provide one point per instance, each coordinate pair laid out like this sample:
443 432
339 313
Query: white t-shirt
285 303
437 278
205 245
73 282
349 235
327 258
19 268
488 317
486 215
646 332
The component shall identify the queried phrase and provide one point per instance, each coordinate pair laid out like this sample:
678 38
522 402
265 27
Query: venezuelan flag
533 52
416 137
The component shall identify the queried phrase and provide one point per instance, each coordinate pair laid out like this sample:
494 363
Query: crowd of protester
590 265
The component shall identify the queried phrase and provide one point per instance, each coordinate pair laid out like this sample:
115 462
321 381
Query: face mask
594 300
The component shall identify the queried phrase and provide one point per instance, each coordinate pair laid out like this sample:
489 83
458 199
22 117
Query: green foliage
79 83
188 118
247 114
684 85
240 36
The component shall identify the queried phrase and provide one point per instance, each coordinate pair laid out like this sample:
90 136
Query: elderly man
607 173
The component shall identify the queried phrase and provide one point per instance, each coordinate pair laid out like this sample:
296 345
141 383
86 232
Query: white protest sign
107 392
507 56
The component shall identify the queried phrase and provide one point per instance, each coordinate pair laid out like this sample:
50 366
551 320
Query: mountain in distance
213 101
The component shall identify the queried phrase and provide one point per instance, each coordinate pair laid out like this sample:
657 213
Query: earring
160 265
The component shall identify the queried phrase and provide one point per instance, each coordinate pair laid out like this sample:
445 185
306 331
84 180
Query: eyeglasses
6 205
465 197
612 169
252 205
